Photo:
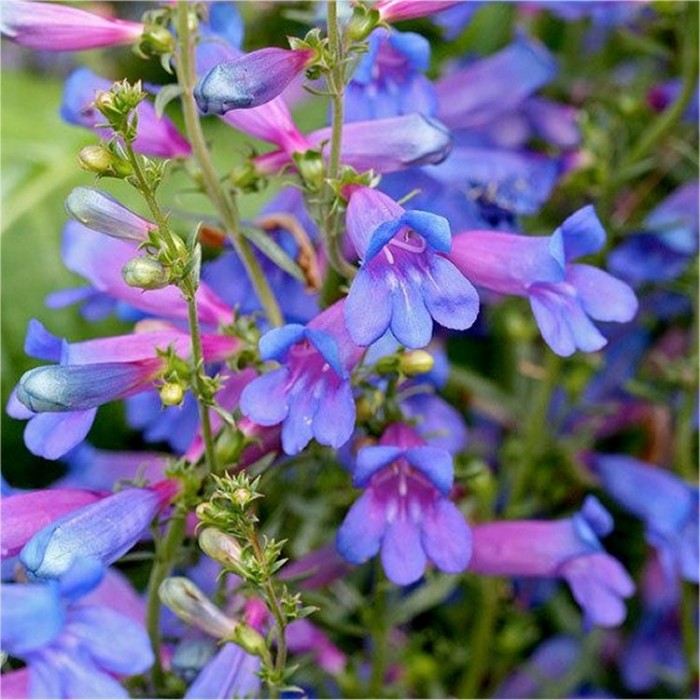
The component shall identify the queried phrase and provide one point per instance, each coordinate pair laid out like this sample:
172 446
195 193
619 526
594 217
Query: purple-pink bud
51 27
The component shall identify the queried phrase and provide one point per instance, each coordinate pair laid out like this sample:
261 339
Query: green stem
198 362
336 80
166 550
148 194
273 605
480 641
222 200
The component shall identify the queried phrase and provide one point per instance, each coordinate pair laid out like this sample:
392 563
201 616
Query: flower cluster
365 327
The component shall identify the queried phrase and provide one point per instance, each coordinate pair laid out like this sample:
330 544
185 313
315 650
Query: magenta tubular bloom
404 511
403 283
53 27
564 297
156 136
104 530
567 549
102 266
250 80
101 212
385 145
310 395
398 10
24 514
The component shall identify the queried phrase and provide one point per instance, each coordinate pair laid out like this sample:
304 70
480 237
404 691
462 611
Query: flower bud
416 362
172 394
145 273
311 168
99 160
188 602
220 547
156 41
253 642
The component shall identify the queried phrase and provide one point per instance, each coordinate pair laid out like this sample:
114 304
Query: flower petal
403 557
367 307
411 323
449 296
265 400
603 296
446 538
360 534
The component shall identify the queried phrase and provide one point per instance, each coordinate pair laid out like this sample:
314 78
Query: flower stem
336 84
222 200
165 555
198 363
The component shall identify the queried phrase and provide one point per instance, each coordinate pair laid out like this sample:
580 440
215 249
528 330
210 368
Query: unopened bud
99 160
312 168
188 602
241 497
247 178
362 23
156 40
416 362
145 273
172 394
253 642
387 365
104 102
220 547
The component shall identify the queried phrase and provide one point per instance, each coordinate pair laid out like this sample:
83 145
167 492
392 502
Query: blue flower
666 504
403 283
405 512
311 393
72 647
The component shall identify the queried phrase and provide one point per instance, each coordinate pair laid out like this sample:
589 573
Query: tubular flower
404 511
564 297
250 80
61 400
155 136
72 642
104 530
567 549
398 10
53 27
310 394
403 283
667 505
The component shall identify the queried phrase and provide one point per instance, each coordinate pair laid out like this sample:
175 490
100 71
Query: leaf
274 252
165 95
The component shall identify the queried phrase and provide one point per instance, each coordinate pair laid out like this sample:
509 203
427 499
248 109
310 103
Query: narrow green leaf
166 95
274 252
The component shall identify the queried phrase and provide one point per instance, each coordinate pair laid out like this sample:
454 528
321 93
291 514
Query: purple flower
384 145
666 504
403 283
24 514
303 637
61 400
53 27
104 530
404 511
156 136
73 646
567 549
398 10
310 394
563 296
232 673
250 80
389 79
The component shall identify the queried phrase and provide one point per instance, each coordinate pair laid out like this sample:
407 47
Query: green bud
156 40
172 394
145 273
99 160
363 21
188 602
242 497
312 169
388 365
253 642
220 547
247 178
416 362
